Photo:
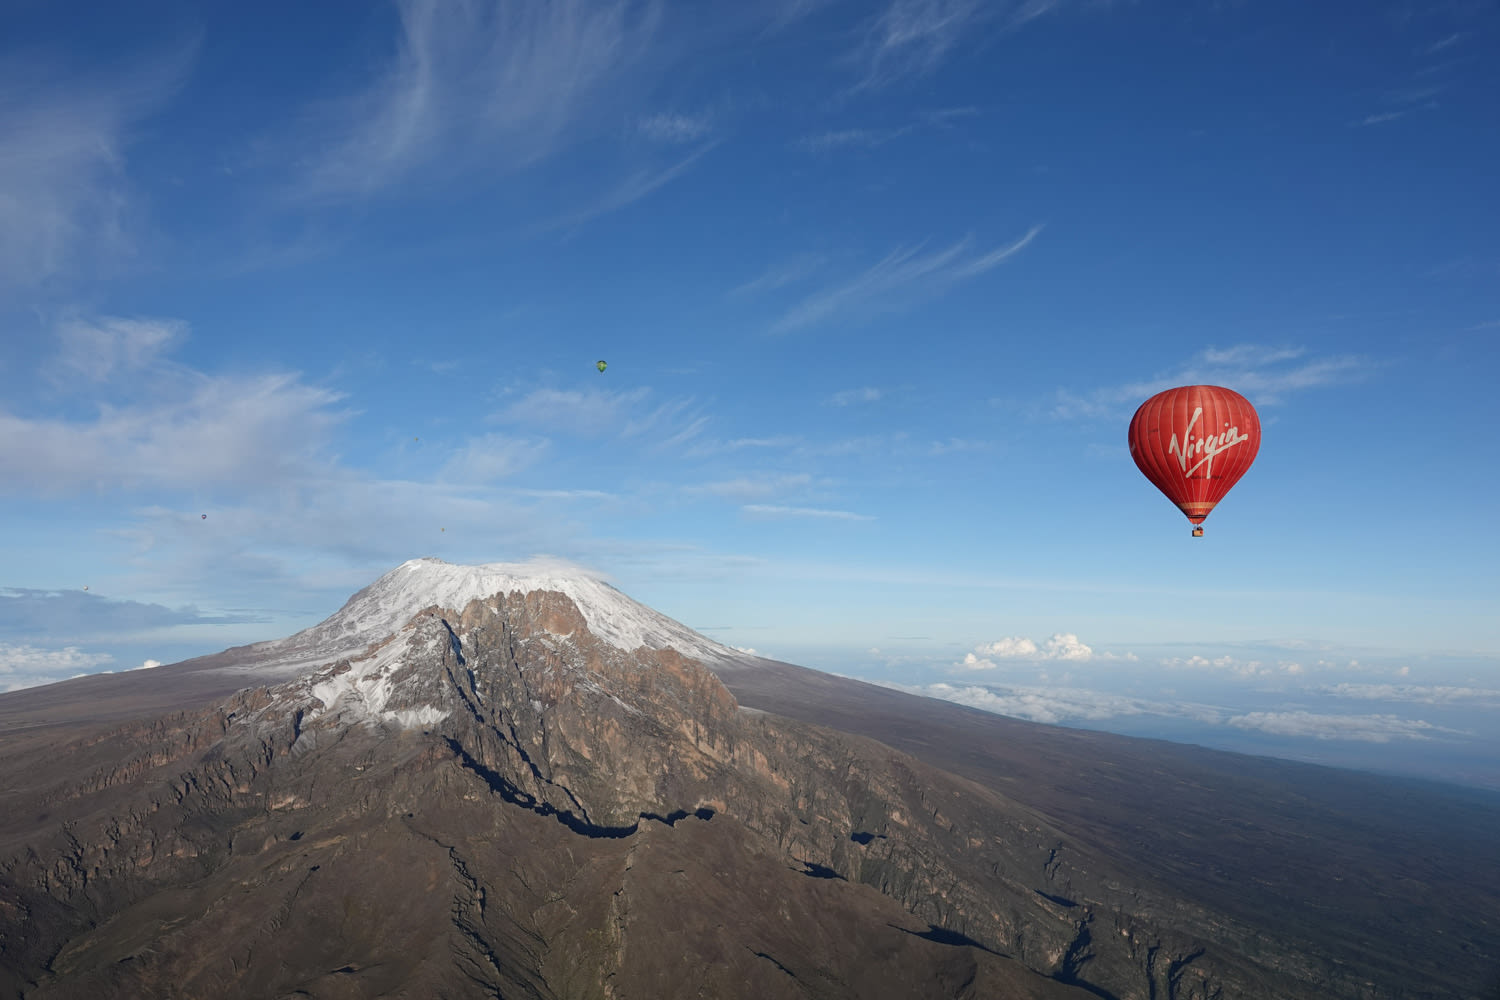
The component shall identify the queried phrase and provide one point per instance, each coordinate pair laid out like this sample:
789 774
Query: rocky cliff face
492 801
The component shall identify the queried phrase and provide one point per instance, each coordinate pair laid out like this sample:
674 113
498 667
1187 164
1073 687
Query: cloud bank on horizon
879 287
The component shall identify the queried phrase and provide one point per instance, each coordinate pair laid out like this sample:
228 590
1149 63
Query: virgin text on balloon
1207 447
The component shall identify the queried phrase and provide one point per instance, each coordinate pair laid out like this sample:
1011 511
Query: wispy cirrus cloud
704 448
1446 42
502 84
785 13
851 138
1265 374
602 412
584 412
901 277
627 191
97 348
1401 103
913 38
773 510
65 195
833 140
798 268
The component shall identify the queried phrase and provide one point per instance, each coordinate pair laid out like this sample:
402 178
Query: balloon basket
1197 532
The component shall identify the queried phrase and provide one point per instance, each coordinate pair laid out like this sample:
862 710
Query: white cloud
749 487
1065 646
492 457
1364 728
1416 693
1249 355
674 418
65 199
588 413
1265 374
148 665
101 347
1226 664
867 394
716 447
1008 647
183 428
902 276
772 510
603 412
1062 646
1054 705
972 662
481 85
28 666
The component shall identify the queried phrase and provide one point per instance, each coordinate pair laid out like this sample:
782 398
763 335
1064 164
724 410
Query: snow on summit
390 602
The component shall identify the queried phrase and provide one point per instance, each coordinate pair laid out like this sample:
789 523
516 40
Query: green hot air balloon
601 366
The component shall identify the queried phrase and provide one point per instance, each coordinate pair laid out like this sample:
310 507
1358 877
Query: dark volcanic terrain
494 801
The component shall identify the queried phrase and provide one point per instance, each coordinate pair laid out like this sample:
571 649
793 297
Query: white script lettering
1207 447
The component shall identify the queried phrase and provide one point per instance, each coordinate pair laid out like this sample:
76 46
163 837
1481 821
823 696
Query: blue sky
879 286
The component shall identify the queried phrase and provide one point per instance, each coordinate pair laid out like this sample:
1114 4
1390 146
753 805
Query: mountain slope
494 800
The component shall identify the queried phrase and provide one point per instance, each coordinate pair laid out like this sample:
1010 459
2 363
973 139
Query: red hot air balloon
1194 443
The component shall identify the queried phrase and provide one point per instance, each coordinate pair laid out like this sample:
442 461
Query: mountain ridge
511 710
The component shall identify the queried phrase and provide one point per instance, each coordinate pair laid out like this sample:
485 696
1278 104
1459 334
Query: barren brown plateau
585 822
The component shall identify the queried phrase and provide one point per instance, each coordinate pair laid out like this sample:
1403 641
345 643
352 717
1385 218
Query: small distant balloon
601 366
203 516
85 586
442 529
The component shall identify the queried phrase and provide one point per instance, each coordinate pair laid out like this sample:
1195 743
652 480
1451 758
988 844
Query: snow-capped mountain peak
384 606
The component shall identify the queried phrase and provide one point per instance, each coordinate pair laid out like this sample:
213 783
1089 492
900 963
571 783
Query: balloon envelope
601 365
1195 442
